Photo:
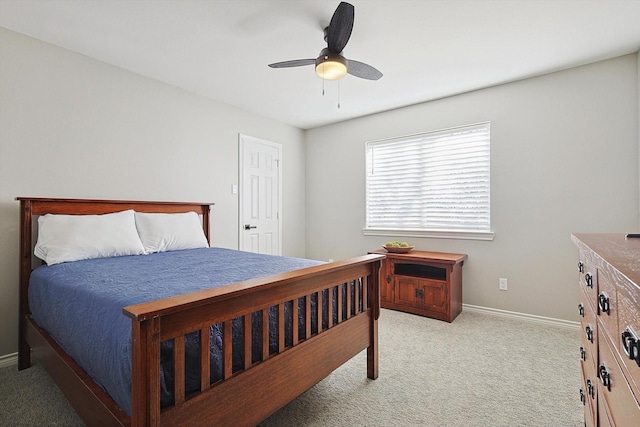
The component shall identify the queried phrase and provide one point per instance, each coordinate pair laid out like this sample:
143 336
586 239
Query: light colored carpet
480 370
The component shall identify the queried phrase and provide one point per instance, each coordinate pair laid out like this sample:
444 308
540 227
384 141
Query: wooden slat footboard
249 395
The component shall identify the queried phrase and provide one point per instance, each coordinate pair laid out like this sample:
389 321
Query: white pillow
63 238
170 232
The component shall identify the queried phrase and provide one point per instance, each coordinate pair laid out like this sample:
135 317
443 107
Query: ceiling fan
330 64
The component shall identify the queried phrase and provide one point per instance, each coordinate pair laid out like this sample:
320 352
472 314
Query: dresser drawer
622 407
604 420
607 307
628 338
588 332
588 277
589 393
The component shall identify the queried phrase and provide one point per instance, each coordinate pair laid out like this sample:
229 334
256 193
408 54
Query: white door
260 187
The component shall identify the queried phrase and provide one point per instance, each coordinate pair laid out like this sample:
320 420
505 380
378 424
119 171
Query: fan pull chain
338 93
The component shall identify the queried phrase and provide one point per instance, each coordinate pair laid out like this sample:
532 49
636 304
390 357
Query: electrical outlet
503 284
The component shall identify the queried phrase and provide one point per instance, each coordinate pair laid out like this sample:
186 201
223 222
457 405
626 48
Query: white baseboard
8 360
522 316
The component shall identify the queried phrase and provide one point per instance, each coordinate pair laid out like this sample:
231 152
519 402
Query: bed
335 307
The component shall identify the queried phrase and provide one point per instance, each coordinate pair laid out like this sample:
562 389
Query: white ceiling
426 49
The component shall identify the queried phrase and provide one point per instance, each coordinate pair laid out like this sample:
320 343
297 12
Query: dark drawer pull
631 345
605 378
583 354
588 278
589 332
591 389
580 267
603 303
583 397
581 310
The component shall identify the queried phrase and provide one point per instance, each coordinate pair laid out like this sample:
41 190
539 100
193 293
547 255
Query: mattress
80 305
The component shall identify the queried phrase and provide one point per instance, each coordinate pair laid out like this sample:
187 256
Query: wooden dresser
425 283
609 308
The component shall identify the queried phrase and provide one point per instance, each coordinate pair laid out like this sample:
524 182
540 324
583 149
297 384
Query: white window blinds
432 181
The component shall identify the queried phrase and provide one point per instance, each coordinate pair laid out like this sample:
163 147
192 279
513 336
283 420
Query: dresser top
620 252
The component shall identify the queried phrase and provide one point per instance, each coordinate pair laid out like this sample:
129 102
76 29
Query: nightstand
424 283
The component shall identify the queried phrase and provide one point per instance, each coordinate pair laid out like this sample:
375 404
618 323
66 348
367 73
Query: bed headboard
31 207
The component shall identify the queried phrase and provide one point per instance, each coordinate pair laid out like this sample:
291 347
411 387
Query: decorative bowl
397 249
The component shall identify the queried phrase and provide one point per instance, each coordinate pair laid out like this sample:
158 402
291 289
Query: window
432 184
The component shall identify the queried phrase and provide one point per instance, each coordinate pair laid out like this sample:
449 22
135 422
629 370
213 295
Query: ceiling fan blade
293 63
340 27
362 70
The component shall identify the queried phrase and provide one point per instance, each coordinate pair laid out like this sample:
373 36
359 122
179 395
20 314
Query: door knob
248 227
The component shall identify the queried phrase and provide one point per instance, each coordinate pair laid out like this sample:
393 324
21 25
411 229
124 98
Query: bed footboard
248 395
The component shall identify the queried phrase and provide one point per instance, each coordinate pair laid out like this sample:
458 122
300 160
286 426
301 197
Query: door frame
241 141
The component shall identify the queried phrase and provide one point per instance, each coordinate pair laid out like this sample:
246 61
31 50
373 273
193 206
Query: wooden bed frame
240 398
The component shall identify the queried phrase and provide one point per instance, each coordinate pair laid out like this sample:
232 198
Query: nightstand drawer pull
603 303
605 378
631 345
588 278
583 397
580 267
589 332
581 310
583 354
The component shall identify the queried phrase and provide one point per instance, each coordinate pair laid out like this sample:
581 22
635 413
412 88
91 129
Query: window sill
436 234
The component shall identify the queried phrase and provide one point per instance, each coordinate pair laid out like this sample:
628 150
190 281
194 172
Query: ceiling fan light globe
331 66
331 70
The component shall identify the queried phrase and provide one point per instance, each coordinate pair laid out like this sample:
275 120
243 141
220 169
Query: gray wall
71 126
565 153
564 158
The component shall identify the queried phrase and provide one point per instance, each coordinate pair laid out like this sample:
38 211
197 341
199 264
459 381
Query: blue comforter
80 304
